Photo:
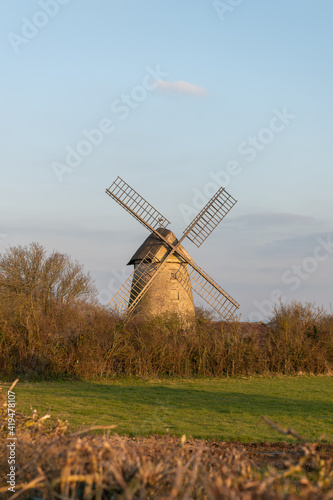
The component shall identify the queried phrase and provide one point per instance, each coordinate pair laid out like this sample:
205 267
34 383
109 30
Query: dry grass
52 464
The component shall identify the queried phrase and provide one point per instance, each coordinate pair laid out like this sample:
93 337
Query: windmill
164 273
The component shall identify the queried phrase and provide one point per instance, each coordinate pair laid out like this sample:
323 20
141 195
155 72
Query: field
192 457
218 409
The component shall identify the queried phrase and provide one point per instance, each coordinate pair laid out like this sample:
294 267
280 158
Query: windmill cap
158 248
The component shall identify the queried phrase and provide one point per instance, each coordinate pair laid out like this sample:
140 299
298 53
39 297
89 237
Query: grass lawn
221 409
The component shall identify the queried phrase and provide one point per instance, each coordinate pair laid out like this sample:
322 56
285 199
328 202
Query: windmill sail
136 205
136 284
211 292
209 217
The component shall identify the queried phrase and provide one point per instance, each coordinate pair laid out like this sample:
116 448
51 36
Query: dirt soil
265 454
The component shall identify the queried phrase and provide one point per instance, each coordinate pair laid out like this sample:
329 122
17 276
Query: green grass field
221 409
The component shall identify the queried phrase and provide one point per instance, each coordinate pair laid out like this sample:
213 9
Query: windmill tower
164 274
167 293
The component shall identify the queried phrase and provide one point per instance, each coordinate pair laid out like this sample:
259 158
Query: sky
177 98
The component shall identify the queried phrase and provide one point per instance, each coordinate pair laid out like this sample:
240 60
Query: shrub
301 339
51 326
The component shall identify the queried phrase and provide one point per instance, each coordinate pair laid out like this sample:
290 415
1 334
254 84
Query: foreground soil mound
60 465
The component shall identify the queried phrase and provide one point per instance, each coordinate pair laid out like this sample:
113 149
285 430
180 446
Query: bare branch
285 432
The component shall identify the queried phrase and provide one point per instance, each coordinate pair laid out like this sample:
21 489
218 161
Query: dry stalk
285 432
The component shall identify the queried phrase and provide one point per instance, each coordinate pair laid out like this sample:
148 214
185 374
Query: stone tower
166 293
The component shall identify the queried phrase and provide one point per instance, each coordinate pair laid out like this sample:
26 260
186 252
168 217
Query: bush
89 341
50 327
301 339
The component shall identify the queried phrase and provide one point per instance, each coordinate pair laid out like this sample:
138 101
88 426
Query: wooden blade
136 205
120 301
136 285
209 217
210 291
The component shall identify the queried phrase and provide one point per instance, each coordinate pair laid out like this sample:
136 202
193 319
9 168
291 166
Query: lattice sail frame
136 205
129 294
211 292
209 217
197 231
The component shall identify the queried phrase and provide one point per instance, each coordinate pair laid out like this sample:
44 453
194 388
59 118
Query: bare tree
32 280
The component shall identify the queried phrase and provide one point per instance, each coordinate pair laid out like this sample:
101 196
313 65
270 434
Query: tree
31 280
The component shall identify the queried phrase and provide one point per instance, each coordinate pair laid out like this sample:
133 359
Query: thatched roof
158 248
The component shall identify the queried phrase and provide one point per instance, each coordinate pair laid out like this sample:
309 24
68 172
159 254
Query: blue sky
230 92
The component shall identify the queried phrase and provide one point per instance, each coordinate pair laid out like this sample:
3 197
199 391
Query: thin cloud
182 87
271 220
298 246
